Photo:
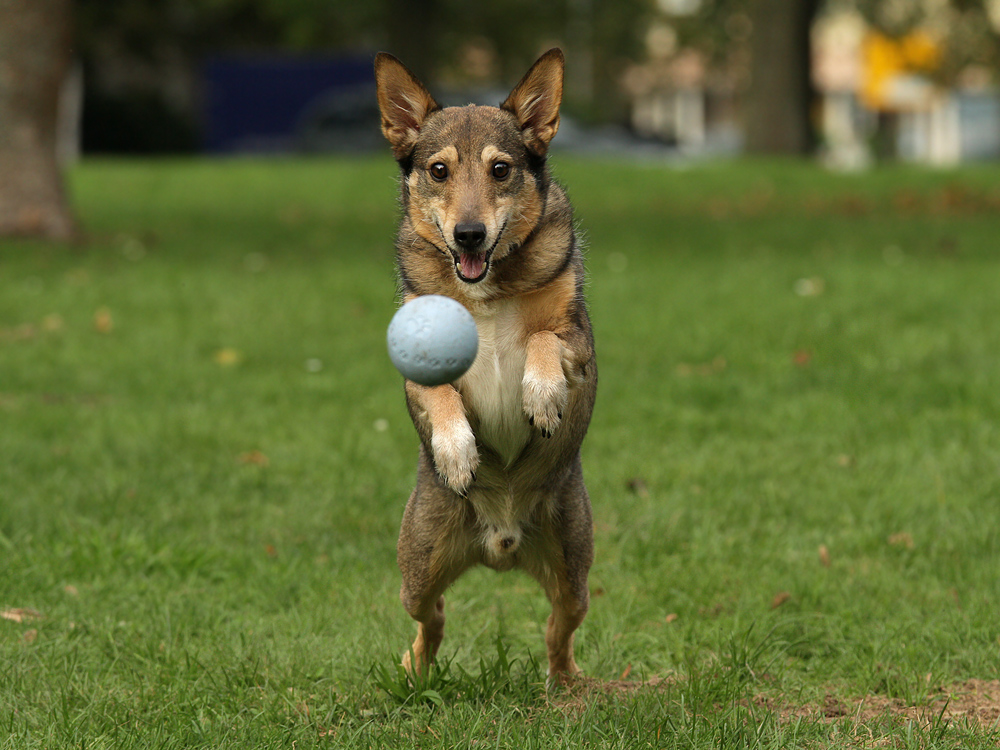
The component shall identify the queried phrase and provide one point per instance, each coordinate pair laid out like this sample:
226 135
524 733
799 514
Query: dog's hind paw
455 455
562 679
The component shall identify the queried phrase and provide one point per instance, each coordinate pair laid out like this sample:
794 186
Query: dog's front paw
545 400
455 454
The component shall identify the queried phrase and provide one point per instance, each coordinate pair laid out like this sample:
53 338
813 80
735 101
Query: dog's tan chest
492 389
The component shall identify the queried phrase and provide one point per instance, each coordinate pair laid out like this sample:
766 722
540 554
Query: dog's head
473 178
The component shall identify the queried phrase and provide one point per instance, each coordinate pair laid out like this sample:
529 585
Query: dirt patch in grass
976 702
582 691
973 702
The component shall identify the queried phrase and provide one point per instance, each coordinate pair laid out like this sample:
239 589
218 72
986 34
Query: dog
499 479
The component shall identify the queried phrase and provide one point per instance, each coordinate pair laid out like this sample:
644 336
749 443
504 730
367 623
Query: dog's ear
403 101
535 101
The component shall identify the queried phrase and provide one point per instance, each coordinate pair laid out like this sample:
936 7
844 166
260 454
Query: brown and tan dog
499 480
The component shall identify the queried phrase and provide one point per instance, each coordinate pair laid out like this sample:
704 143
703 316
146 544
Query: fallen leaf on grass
227 357
103 322
255 458
21 614
901 539
802 357
671 617
627 671
780 598
30 636
824 556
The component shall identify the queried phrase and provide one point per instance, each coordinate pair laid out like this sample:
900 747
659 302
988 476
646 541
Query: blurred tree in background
34 60
780 97
766 46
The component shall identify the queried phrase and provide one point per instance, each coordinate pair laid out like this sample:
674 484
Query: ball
432 340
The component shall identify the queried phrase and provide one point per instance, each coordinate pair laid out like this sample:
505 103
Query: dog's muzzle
472 261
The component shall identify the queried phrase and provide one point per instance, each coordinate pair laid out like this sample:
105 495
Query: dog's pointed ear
403 102
535 101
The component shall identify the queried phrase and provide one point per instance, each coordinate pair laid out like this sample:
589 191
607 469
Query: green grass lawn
794 465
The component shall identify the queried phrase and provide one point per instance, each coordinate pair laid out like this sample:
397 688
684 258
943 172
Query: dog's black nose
470 234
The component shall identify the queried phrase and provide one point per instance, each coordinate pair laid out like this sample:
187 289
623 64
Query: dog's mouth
472 267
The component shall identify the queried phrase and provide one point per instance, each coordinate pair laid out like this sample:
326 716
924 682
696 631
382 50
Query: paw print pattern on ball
432 340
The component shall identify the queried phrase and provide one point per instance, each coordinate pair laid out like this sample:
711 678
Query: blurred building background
860 79
854 80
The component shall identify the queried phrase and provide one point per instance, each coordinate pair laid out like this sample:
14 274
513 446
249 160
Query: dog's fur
499 480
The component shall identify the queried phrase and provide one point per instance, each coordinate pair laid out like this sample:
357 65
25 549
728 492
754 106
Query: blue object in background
274 104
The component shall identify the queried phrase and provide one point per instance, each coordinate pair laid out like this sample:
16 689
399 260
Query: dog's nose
470 234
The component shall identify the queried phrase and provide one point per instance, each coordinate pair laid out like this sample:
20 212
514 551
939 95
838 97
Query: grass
794 465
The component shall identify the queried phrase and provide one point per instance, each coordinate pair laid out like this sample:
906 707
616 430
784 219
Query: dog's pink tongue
471 265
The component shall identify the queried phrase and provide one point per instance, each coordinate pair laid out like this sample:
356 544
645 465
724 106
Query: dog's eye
439 171
500 170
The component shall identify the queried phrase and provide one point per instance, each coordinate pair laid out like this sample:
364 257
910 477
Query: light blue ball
432 340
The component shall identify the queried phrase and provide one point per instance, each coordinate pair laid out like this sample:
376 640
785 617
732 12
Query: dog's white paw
455 454
545 399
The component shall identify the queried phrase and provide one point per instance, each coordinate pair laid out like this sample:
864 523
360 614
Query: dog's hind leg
432 553
425 580
563 575
430 631
569 606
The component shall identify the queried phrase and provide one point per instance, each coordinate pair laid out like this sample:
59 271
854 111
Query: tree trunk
781 94
34 62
